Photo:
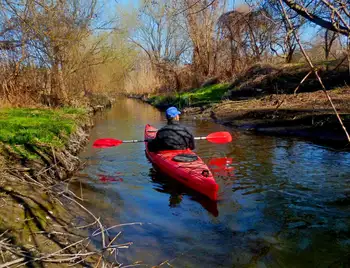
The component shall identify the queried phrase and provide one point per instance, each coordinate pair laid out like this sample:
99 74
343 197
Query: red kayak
184 166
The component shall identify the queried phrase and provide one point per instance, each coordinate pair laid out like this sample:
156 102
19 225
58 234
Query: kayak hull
195 175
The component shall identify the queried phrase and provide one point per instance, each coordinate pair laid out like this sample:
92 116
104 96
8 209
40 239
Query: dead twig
302 81
341 62
97 220
87 225
10 263
109 244
118 225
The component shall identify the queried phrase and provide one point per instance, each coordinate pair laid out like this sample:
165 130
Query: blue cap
172 112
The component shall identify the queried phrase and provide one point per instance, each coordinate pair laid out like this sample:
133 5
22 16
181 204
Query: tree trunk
290 54
58 89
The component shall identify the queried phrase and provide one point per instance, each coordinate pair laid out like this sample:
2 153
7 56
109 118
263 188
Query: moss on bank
23 129
196 97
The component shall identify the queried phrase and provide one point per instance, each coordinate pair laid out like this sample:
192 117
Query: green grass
25 128
197 97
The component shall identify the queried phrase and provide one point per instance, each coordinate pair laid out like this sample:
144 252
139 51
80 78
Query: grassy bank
24 130
43 222
196 97
37 148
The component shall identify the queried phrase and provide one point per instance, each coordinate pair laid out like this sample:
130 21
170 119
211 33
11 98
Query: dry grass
167 79
278 107
142 81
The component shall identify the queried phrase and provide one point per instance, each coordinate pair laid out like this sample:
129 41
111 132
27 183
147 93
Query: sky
112 6
135 3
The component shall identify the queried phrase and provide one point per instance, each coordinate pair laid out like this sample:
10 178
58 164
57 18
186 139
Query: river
284 202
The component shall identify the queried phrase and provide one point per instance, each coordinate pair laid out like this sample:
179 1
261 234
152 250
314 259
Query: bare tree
329 38
250 34
46 32
162 37
201 20
329 14
283 43
49 50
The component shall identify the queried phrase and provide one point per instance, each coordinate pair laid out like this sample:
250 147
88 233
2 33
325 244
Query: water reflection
176 191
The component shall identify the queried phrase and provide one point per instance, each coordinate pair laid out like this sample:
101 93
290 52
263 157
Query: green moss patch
24 128
196 97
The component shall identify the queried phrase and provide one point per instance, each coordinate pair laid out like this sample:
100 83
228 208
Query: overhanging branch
316 19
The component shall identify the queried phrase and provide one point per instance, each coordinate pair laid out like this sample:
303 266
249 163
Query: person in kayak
173 136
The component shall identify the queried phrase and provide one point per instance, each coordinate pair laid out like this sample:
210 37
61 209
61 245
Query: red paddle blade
105 143
219 137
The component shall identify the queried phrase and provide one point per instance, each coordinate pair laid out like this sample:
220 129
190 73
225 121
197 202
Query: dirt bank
307 115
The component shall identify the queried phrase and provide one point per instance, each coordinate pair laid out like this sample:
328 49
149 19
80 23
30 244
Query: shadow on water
176 191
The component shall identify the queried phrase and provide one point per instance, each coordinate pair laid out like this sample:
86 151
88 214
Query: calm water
284 202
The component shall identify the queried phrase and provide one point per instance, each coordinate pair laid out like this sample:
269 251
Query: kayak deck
195 175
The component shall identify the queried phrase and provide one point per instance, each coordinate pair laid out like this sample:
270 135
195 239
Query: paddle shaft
216 137
200 138
134 141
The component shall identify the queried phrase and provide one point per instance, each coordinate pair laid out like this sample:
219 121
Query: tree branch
316 19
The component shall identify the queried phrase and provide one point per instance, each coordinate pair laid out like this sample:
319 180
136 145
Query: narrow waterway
284 202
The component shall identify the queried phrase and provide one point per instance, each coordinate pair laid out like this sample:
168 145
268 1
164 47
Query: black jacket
173 136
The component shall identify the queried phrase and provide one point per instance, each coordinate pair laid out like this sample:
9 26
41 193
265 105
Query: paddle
216 137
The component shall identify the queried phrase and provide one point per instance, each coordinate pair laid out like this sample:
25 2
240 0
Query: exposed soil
305 114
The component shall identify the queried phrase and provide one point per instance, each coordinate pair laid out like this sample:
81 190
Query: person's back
173 136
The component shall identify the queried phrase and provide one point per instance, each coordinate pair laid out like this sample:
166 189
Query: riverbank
42 220
270 100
